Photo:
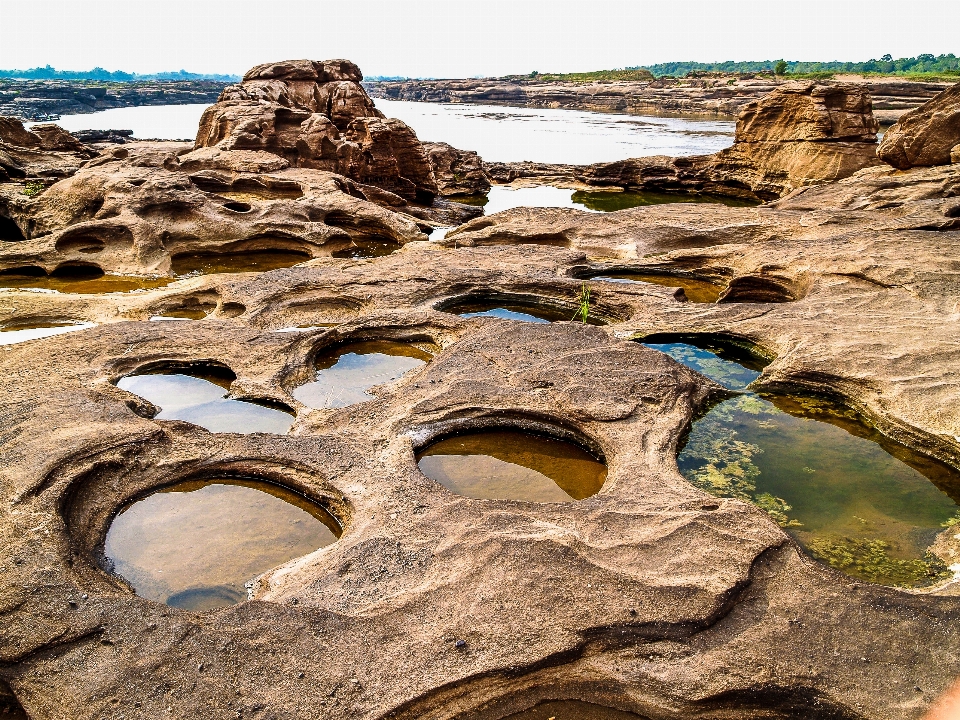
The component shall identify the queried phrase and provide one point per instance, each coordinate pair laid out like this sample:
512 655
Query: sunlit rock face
926 136
316 115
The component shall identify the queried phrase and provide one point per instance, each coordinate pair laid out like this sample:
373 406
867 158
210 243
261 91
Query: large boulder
457 172
315 114
44 151
926 136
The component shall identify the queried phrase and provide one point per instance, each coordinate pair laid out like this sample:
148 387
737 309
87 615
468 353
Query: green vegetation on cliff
587 77
922 65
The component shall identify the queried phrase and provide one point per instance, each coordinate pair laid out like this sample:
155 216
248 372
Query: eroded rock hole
10 231
367 247
78 271
199 394
346 373
694 290
239 207
572 710
525 308
852 497
194 545
510 464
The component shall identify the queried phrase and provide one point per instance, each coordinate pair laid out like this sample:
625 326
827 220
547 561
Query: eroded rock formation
44 152
316 115
650 596
457 172
928 135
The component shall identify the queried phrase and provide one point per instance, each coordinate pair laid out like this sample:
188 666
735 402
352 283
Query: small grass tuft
583 304
32 188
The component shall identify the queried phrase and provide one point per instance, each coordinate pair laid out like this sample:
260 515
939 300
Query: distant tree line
927 64
99 74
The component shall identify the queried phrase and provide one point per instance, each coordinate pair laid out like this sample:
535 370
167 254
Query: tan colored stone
928 135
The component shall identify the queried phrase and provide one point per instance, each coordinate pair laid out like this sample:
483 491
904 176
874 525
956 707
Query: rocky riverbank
649 596
710 97
32 100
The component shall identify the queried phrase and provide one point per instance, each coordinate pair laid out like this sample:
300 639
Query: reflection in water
92 283
571 710
346 373
194 545
236 262
513 465
203 402
699 291
606 201
13 334
516 310
367 248
852 497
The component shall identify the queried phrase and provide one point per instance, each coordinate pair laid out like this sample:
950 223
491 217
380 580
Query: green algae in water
853 498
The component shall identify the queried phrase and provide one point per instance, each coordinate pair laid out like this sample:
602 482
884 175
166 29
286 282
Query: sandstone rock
928 135
47 151
457 172
12 132
316 115
54 137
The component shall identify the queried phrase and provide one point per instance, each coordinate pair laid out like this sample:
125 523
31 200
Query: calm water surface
196 544
513 465
853 498
499 134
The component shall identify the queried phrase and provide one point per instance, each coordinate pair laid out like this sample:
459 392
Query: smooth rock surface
928 135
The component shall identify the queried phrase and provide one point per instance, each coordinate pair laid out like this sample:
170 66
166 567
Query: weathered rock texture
650 596
715 96
44 152
316 115
457 172
929 135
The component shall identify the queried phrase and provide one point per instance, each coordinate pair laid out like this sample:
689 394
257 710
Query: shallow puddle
513 465
14 333
367 248
90 283
195 544
601 201
852 497
515 310
347 372
203 401
698 291
571 710
236 262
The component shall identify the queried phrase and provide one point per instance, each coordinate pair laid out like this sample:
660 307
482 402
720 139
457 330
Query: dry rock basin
711 473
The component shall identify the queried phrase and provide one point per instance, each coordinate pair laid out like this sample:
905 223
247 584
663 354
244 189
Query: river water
498 134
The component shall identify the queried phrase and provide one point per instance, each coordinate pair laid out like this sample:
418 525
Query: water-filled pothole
345 373
372 247
606 201
571 710
198 395
194 545
513 465
851 496
18 332
236 262
93 282
517 308
699 291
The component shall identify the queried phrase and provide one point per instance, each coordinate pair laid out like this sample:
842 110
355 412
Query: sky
452 38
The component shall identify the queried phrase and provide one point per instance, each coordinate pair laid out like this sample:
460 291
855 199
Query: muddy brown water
851 496
203 401
367 248
698 291
513 465
92 282
195 545
346 373
236 262
572 710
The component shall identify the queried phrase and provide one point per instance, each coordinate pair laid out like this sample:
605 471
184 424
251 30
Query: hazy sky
450 38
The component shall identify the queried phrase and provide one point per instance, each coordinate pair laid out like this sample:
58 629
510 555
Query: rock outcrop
719 96
316 115
43 152
928 135
457 172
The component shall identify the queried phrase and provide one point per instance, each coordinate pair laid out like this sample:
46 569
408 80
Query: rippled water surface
196 544
851 496
513 465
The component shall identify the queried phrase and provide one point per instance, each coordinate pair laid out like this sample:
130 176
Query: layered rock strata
722 96
316 115
928 135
